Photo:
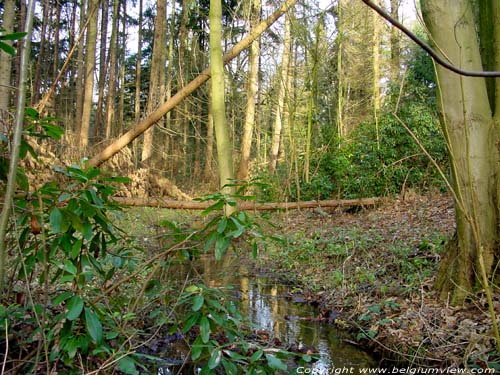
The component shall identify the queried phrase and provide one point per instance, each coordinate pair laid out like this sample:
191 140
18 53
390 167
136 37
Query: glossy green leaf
221 246
204 329
127 365
198 301
256 356
70 267
75 307
62 297
55 219
215 359
7 48
230 367
93 324
190 322
196 349
275 363
13 36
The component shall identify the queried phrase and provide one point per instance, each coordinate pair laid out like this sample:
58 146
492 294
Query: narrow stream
267 304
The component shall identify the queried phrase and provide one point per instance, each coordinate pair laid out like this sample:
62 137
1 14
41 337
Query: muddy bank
373 270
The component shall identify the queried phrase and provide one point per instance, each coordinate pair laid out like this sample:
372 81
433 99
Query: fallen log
248 206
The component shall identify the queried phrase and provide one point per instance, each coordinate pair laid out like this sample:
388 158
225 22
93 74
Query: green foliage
11 36
220 341
223 231
363 166
67 239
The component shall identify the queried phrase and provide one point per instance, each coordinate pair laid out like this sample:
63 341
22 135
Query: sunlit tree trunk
395 43
55 29
224 146
207 171
157 70
340 79
90 64
112 77
103 68
470 133
278 122
376 72
42 54
80 72
6 64
253 84
121 103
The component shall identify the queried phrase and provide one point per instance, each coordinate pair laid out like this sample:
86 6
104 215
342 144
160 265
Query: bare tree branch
427 48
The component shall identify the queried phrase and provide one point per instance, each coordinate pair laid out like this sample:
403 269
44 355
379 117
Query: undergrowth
84 296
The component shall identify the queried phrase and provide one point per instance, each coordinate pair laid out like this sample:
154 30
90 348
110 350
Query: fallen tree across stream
248 206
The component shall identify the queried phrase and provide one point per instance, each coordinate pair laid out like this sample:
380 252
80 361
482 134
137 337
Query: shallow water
265 303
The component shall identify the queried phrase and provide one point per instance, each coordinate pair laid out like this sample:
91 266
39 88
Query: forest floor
372 271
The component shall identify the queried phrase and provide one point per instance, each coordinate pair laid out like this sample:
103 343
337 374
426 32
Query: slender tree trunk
16 141
6 64
395 43
376 72
89 75
253 84
37 83
121 103
113 76
207 172
80 75
157 71
341 131
469 128
55 30
278 122
224 146
103 69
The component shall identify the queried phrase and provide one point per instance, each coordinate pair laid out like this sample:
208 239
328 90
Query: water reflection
264 302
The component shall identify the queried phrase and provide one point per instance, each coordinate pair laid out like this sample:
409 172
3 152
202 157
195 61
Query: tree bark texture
249 206
6 64
279 116
253 84
157 70
470 134
89 74
222 138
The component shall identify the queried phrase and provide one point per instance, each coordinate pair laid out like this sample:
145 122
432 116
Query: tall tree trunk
469 128
157 71
103 69
376 72
283 79
341 130
207 171
395 43
311 105
253 84
89 74
138 69
123 46
55 30
6 64
40 64
80 72
113 76
223 141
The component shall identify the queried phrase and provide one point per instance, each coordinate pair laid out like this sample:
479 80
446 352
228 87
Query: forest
248 187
